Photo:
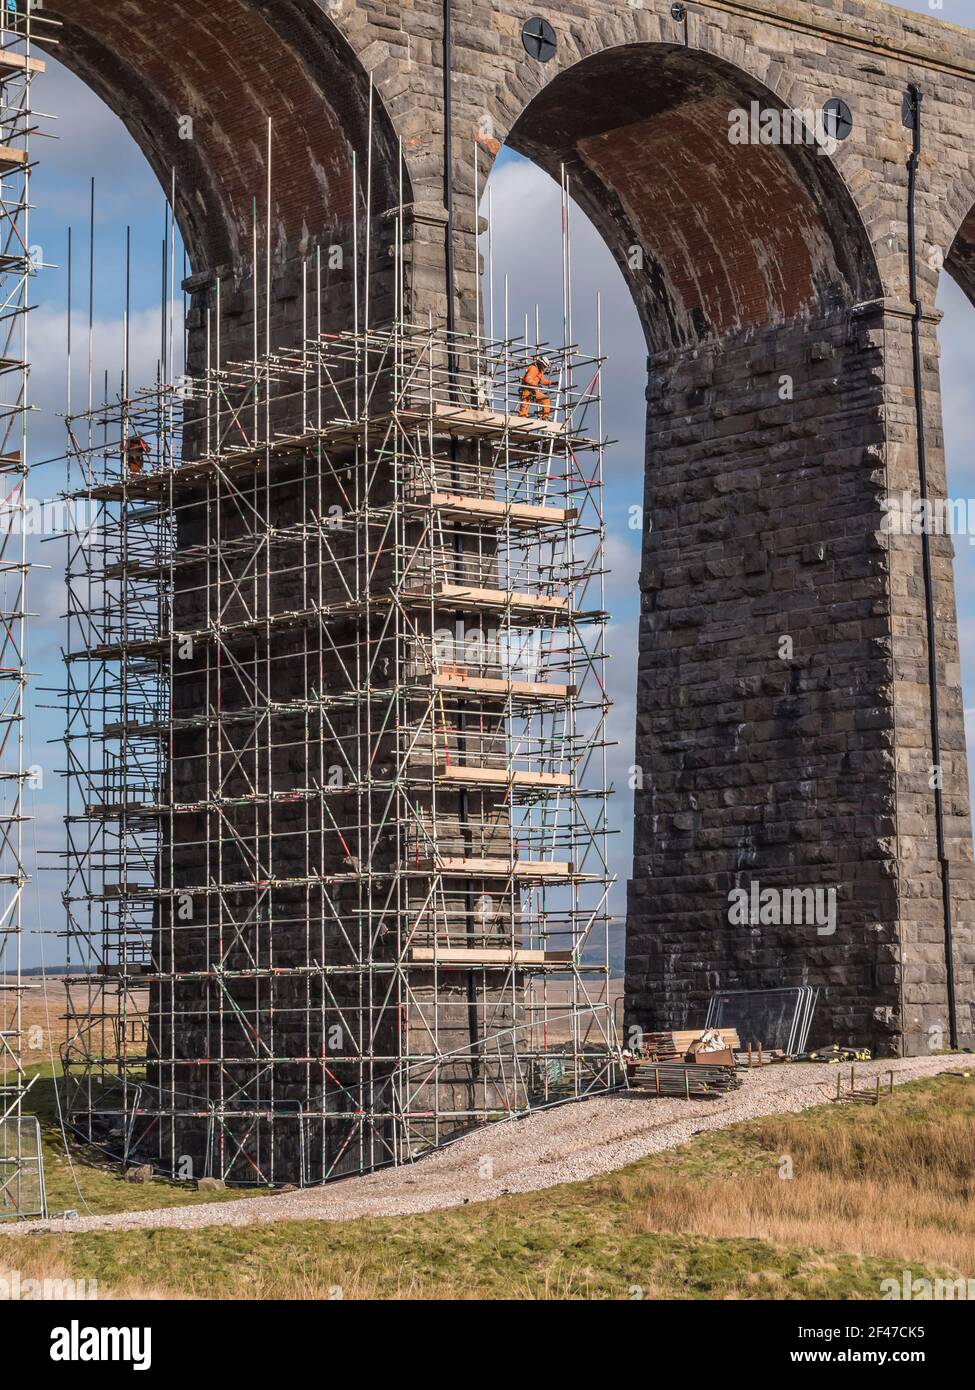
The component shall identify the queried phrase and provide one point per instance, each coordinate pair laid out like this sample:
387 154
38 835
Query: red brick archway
229 65
736 236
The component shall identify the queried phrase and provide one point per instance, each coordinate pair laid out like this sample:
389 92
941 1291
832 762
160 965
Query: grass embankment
873 1191
89 1183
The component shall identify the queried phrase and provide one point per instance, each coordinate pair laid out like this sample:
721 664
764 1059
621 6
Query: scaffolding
337 869
21 1168
336 742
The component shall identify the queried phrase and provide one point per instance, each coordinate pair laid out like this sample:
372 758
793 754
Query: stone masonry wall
772 744
767 513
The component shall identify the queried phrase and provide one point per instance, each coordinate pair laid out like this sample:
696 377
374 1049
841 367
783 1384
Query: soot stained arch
737 236
960 260
230 65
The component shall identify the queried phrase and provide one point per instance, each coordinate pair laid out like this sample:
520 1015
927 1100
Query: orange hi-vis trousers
540 398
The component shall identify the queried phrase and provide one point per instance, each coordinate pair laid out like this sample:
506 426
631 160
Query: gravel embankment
550 1147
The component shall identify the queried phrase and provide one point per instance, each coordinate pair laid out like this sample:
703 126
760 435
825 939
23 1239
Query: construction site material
21 1166
849 1093
672 1044
718 1057
835 1054
682 1079
773 1018
713 1040
23 1192
465 955
759 1056
336 742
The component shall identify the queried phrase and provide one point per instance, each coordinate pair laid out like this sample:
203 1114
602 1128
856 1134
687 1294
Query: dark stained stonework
758 264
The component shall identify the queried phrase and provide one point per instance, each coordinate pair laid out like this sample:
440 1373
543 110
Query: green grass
875 1189
90 1183
513 1248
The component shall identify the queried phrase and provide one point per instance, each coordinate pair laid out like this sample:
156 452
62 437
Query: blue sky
91 143
527 234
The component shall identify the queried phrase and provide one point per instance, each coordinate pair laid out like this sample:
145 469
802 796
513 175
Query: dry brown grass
874 1219
43 1018
44 1010
876 1187
43 1007
558 996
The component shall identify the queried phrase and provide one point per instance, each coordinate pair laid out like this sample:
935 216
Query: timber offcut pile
685 1062
689 1044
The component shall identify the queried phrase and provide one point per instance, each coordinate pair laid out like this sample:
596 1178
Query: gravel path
550 1147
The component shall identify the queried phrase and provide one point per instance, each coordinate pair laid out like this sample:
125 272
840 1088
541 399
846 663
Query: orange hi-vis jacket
535 377
136 452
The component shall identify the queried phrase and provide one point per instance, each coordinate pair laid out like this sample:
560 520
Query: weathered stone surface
773 285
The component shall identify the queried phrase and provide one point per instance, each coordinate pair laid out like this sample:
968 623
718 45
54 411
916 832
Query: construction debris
685 1062
760 1056
834 1054
688 1043
851 1094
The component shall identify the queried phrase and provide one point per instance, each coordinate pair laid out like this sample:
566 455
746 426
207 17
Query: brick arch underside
230 65
734 236
960 260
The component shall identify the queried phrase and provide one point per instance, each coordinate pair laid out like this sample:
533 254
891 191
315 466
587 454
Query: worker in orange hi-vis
532 387
136 452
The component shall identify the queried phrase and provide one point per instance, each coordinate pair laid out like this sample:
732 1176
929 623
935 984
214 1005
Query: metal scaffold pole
21 1163
336 730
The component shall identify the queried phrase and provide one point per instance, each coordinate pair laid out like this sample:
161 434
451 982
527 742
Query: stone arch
653 167
959 259
229 66
763 305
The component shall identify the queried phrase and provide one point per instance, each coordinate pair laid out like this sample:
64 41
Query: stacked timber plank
687 1080
687 1062
677 1044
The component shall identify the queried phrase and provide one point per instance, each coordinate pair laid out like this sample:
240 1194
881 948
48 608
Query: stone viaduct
784 721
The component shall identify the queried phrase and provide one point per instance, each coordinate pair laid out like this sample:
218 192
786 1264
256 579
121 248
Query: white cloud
89 142
48 351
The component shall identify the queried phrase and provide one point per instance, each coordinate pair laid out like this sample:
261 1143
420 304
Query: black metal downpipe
915 97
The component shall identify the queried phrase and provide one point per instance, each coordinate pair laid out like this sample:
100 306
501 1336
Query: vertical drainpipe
914 112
